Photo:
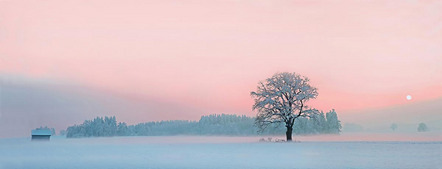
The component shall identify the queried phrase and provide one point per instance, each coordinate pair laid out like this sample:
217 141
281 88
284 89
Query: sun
409 97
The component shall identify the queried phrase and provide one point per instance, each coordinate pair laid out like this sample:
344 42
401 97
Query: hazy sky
208 55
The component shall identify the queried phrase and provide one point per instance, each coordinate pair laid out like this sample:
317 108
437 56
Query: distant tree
333 124
315 124
393 126
422 127
62 132
301 126
122 129
322 123
282 99
110 126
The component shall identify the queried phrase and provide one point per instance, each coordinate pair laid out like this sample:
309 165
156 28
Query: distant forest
216 124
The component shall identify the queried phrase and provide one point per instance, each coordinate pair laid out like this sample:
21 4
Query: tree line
215 124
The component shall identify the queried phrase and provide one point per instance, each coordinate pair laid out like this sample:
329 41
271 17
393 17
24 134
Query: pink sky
209 55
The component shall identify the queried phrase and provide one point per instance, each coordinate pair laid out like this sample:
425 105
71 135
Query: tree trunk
288 133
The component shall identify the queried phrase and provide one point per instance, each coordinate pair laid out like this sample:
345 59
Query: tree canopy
282 99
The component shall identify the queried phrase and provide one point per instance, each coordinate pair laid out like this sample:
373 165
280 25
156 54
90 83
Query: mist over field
62 105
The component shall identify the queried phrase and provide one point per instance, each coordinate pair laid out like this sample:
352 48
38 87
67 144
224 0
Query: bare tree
422 127
393 126
281 99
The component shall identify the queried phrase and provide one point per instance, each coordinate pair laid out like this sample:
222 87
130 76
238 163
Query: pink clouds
210 54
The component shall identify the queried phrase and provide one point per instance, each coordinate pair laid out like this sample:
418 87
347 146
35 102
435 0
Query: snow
215 152
41 132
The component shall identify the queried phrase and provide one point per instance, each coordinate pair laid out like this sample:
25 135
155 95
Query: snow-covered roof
41 132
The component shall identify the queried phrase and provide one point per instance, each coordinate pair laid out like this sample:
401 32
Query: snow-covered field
215 152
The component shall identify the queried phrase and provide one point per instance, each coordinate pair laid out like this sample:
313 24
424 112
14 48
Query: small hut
42 134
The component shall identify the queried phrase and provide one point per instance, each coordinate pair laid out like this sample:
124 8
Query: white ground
214 153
